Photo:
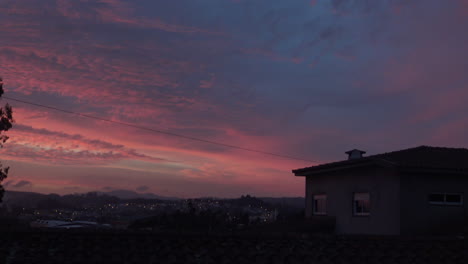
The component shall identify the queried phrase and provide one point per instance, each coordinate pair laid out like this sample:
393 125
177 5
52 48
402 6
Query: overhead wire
155 130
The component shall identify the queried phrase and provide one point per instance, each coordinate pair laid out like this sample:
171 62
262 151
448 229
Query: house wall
418 216
383 186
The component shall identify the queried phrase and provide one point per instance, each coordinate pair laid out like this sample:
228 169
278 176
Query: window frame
360 214
445 199
323 196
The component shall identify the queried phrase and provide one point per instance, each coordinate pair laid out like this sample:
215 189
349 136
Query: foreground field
111 247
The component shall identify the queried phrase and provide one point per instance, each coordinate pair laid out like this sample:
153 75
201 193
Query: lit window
320 204
361 204
446 198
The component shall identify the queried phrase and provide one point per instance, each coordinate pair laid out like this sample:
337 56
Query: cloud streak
42 145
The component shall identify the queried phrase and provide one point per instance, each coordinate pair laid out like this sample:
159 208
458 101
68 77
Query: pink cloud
115 11
207 84
42 145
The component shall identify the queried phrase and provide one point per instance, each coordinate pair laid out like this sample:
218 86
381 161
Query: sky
304 78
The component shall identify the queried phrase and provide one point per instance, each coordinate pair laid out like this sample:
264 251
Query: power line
155 130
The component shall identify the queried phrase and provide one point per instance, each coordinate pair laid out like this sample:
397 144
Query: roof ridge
420 156
448 148
398 151
414 148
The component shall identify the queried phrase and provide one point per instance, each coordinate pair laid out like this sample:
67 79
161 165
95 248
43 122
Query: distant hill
128 194
24 199
33 200
44 201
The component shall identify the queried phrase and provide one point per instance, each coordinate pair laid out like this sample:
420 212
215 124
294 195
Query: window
446 198
453 199
361 204
437 198
320 204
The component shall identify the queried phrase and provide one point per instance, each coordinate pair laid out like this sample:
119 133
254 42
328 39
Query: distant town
102 211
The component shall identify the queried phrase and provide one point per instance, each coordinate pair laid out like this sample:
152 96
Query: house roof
424 158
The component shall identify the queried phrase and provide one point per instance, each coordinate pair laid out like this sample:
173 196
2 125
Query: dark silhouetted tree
6 120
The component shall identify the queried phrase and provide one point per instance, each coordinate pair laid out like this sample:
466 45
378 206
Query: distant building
414 191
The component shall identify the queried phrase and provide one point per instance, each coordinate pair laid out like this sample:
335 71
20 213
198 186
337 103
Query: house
413 191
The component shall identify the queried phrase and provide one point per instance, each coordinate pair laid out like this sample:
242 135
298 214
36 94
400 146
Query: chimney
355 154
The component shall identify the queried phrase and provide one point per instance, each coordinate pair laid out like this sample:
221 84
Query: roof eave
355 164
315 171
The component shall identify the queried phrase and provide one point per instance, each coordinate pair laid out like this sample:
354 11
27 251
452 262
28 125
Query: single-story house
413 191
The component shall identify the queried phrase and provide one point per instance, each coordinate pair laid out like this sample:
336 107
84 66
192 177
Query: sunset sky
310 79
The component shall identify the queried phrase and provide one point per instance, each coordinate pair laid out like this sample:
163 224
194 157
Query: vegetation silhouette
6 120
